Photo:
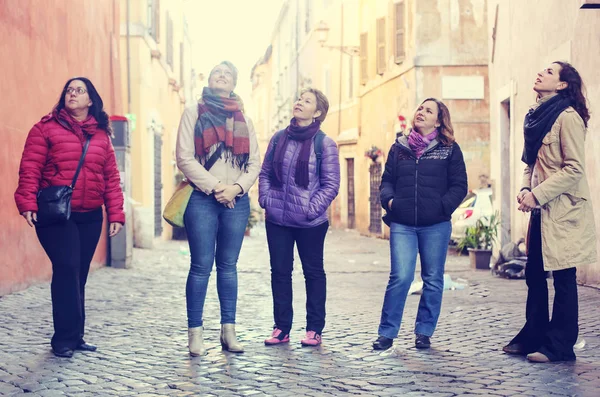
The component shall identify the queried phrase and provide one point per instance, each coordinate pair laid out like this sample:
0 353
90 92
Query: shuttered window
364 77
380 45
399 32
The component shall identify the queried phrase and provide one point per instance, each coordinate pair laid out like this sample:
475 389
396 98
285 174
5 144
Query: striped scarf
221 120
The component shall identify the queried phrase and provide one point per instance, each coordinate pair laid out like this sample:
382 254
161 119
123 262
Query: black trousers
70 247
310 242
554 338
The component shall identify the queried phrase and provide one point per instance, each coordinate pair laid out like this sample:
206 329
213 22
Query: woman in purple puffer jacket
296 195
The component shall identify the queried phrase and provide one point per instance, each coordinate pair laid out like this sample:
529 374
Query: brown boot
229 340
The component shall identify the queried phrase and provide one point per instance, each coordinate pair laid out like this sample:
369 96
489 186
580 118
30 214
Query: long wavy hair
446 135
575 89
97 108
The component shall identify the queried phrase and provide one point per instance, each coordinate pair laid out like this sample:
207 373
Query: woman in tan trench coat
561 232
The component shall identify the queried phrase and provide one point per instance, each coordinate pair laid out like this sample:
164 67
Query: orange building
41 48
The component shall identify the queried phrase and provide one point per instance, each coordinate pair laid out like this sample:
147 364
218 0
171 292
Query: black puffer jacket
427 190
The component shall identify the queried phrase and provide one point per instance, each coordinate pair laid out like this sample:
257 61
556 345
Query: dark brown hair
322 102
97 108
575 89
446 135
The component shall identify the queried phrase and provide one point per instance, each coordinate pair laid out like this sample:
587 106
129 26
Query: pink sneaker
277 337
311 339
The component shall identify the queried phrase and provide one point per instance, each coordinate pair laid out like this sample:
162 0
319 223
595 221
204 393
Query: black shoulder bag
54 202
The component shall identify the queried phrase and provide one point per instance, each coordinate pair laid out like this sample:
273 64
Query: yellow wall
429 59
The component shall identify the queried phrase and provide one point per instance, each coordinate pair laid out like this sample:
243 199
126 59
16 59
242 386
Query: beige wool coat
559 183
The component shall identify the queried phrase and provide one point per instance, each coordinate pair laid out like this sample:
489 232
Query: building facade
158 81
377 61
41 49
411 50
524 39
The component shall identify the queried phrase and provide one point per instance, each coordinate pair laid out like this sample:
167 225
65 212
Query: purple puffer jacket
294 206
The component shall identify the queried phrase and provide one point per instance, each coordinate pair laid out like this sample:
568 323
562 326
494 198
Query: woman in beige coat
217 151
561 232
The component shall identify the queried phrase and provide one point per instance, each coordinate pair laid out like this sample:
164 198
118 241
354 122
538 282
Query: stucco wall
41 48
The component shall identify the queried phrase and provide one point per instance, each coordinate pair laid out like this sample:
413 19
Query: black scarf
538 122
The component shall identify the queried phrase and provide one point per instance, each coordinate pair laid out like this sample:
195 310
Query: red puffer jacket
52 151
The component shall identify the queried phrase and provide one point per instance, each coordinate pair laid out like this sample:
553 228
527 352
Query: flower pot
480 259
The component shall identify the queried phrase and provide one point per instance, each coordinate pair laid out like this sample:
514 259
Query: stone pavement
137 319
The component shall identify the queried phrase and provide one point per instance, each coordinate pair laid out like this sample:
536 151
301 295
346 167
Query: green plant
481 236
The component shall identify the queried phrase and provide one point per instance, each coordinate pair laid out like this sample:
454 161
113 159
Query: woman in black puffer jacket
424 181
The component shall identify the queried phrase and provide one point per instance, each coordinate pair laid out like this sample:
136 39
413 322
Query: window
399 32
364 77
380 45
154 19
169 41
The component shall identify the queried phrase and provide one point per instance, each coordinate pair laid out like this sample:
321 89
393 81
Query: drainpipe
128 62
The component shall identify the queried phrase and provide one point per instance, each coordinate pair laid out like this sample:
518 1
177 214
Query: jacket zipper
417 175
416 187
287 184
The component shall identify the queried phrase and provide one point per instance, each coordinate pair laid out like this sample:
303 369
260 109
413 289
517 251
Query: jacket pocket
567 208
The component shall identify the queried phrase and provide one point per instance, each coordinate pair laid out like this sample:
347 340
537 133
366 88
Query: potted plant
479 241
373 153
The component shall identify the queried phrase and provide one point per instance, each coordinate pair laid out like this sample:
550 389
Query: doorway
351 207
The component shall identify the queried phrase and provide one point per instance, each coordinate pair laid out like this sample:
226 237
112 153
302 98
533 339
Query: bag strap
85 149
213 159
276 137
319 149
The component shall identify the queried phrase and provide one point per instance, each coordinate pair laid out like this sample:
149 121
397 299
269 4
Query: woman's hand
528 202
521 194
226 193
30 217
115 228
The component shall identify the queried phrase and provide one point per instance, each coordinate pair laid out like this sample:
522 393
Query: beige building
376 60
157 81
525 38
300 56
411 50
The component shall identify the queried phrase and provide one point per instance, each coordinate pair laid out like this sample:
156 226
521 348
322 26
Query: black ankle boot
422 342
63 352
383 343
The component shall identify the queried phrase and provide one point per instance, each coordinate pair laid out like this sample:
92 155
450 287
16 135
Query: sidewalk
137 318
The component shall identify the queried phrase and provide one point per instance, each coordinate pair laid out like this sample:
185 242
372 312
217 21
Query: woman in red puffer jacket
50 158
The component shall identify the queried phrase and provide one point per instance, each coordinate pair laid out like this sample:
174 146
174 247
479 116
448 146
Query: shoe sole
309 345
276 343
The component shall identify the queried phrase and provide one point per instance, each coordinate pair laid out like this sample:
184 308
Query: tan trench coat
559 183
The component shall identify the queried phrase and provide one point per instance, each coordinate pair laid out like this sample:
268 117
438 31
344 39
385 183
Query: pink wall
42 46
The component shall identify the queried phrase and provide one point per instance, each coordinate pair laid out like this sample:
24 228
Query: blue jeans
215 234
431 243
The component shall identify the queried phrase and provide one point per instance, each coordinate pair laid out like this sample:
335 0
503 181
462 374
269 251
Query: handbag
54 202
175 209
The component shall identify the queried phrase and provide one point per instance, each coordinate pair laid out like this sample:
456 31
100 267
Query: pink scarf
418 143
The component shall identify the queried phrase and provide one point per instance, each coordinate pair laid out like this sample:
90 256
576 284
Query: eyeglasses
78 90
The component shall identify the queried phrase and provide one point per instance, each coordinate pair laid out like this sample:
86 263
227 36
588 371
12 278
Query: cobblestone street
137 319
